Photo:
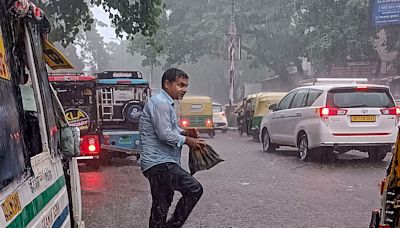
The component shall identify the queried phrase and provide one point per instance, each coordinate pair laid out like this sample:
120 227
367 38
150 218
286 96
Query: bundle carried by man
203 159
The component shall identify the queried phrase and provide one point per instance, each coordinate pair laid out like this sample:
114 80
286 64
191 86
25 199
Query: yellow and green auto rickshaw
261 103
196 112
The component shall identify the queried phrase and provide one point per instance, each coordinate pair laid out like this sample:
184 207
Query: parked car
219 118
327 115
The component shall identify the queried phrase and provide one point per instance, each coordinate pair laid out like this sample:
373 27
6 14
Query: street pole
232 54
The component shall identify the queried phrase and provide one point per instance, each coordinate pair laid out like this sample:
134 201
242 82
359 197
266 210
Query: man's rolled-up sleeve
163 127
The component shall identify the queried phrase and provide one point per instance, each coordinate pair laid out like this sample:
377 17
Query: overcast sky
107 32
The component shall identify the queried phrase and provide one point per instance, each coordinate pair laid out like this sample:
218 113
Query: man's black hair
172 74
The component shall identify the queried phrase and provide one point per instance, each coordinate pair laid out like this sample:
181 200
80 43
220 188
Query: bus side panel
41 200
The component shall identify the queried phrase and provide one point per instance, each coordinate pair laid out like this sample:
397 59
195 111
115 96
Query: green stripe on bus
33 208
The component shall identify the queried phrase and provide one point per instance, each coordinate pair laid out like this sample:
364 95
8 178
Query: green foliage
393 44
334 32
67 17
129 17
94 50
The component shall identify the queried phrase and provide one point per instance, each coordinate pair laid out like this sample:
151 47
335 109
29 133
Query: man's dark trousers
164 180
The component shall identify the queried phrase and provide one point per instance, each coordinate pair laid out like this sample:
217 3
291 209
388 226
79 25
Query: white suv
327 115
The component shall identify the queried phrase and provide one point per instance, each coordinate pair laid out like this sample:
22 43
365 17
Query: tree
276 35
94 50
334 32
393 45
129 17
71 53
192 29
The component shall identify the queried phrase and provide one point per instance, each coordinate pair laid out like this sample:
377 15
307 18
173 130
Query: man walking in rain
162 141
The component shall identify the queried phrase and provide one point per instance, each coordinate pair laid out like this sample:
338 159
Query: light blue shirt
159 132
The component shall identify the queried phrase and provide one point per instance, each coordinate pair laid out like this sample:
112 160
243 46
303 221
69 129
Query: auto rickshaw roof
251 96
197 98
265 96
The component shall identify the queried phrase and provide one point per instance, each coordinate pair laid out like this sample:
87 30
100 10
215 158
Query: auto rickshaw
261 103
196 112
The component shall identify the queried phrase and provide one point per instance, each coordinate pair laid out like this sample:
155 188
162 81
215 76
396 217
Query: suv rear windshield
360 97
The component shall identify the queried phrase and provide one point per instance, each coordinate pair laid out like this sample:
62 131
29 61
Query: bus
39 185
121 96
77 93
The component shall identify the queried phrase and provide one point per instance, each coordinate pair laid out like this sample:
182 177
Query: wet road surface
250 189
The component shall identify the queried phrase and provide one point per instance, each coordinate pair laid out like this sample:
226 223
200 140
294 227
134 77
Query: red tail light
391 111
362 88
90 145
208 123
331 112
185 123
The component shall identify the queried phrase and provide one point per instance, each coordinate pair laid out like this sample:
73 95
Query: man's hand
194 143
192 132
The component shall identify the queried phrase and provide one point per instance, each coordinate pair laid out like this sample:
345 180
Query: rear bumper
91 157
205 130
120 141
220 126
321 135
118 149
357 140
355 144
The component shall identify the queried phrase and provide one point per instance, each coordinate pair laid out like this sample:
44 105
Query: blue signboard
385 12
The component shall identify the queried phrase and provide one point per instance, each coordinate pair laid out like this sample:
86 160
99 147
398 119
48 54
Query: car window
285 102
356 98
217 108
313 94
300 99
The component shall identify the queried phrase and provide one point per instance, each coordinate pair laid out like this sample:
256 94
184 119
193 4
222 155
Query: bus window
46 94
32 132
12 156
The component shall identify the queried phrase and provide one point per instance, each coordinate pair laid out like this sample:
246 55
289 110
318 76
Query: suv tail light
331 112
325 112
90 145
391 111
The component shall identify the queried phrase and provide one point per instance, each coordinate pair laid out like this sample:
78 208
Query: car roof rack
322 81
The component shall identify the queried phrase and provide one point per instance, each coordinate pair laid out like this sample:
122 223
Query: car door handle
298 113
283 115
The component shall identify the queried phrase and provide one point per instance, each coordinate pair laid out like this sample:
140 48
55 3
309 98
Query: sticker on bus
4 73
11 206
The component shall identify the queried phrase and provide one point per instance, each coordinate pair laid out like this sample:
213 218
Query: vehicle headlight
137 142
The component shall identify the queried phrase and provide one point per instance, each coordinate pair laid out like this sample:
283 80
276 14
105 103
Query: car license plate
363 118
125 139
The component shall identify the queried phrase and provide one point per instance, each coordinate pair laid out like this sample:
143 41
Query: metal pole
232 52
